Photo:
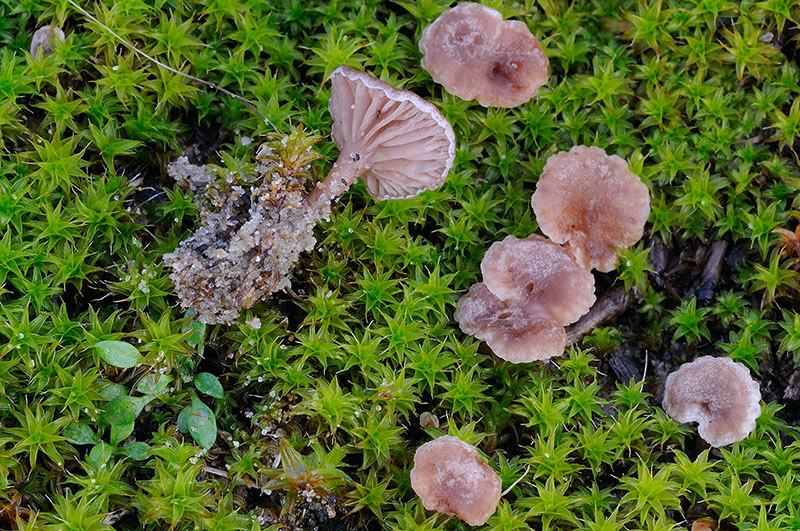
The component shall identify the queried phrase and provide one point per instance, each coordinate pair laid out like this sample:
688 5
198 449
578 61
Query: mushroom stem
344 173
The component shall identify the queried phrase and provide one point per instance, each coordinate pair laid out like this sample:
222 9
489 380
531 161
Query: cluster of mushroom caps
588 204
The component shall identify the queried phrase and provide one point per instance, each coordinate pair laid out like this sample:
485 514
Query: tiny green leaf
101 453
123 410
118 353
112 390
80 434
198 332
138 451
208 384
199 421
120 432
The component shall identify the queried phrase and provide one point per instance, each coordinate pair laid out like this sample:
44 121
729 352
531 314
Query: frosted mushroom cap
451 478
402 142
535 270
514 333
718 394
592 201
477 55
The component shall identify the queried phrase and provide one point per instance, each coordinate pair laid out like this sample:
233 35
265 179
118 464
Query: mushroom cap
451 478
404 144
475 54
45 38
517 334
594 202
718 394
537 270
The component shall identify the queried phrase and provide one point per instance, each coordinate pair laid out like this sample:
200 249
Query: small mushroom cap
718 394
534 269
594 202
44 39
404 144
518 334
475 54
451 478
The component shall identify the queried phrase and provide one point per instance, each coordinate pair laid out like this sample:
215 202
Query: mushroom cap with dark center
717 393
401 143
592 201
451 478
475 54
537 271
517 334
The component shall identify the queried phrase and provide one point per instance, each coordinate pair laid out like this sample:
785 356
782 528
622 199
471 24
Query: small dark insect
356 157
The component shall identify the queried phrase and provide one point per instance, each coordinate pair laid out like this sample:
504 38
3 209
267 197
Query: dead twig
792 391
712 270
611 304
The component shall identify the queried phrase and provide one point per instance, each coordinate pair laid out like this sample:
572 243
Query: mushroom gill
398 143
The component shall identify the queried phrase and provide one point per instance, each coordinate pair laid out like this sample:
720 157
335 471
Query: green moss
325 390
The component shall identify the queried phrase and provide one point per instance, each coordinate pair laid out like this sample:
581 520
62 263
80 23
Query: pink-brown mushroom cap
402 143
451 478
717 393
537 270
475 54
593 202
518 334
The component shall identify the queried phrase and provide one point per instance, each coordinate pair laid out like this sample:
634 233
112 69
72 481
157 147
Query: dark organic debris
792 391
712 270
624 367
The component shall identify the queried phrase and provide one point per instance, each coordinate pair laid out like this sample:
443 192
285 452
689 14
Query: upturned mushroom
398 143
718 394
531 289
592 202
475 54
450 477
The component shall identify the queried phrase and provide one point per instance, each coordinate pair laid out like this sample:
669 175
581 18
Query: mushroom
43 40
536 270
475 54
531 288
398 143
450 477
718 394
593 202
250 239
514 333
